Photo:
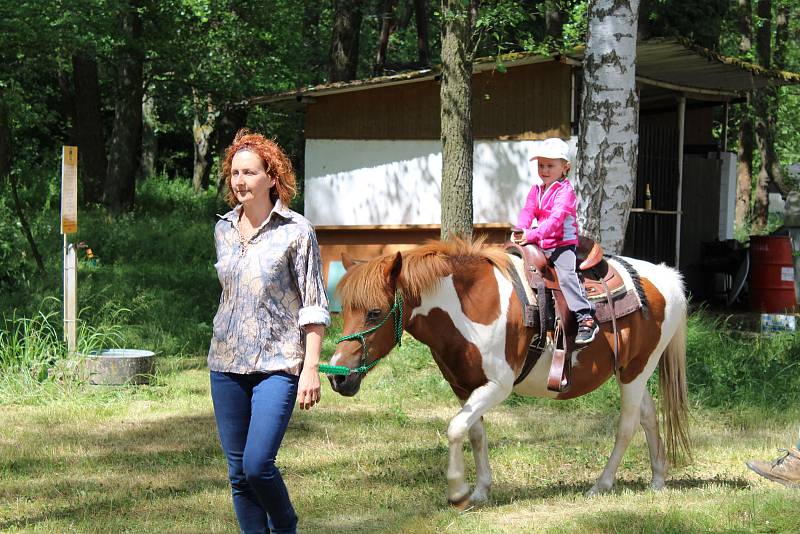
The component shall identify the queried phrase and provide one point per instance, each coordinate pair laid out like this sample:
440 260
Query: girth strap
613 323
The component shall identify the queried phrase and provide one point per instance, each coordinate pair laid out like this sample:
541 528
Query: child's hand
518 236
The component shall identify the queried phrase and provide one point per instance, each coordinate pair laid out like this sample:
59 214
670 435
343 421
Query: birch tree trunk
609 140
458 17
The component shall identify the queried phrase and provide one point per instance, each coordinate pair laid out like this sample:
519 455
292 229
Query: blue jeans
252 412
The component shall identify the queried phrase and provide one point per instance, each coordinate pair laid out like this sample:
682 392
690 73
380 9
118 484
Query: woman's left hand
308 388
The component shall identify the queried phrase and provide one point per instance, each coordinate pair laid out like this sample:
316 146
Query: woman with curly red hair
268 328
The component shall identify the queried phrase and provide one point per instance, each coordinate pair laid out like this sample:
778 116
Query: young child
552 206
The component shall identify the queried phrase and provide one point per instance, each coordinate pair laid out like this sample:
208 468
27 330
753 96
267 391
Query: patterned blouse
271 288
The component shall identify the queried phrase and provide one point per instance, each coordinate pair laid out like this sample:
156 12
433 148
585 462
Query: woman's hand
308 387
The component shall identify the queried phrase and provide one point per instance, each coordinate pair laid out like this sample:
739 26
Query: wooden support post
681 124
725 116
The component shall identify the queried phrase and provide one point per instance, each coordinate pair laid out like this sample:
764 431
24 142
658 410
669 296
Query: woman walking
268 328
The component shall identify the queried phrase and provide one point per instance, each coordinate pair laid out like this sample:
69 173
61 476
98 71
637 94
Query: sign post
69 225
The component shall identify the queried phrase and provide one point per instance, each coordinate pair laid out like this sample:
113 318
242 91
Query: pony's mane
364 285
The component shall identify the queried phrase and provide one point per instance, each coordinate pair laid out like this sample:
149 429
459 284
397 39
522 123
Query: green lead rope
397 311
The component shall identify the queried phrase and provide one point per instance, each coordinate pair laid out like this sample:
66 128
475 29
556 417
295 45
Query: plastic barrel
771 274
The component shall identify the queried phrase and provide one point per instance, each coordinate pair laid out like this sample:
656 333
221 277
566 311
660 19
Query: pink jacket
556 212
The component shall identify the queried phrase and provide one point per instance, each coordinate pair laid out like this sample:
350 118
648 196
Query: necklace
244 238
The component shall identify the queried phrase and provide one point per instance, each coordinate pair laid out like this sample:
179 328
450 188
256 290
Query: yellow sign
69 190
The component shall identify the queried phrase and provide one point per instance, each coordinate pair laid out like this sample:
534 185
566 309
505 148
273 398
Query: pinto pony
457 298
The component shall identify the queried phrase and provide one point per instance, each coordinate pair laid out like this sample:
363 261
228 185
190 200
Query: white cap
553 148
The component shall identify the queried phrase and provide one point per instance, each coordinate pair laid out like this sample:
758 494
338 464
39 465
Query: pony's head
372 312
378 296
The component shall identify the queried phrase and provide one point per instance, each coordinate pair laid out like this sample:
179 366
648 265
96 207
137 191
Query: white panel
350 182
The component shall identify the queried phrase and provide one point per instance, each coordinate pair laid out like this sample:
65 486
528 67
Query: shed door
650 234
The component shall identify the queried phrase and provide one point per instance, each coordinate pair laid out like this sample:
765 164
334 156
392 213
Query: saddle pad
626 299
625 304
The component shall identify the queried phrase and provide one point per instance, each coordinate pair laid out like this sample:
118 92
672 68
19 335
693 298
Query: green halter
397 311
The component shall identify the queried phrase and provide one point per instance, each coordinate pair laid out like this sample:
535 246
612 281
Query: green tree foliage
226 51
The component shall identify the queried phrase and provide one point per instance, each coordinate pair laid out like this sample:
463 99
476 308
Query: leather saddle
604 287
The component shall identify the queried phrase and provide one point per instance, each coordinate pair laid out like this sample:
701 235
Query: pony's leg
649 422
479 402
483 473
631 401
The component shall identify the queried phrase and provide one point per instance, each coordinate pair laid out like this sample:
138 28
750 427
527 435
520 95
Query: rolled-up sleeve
308 270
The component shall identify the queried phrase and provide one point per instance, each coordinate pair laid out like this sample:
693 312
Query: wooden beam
686 88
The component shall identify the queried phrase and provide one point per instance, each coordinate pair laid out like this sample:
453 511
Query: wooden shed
373 150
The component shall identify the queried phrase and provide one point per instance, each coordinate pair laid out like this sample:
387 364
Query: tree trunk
205 116
766 102
761 203
5 139
230 121
421 20
311 37
88 129
645 29
458 18
344 40
781 36
744 166
774 94
608 145
147 163
554 19
123 153
5 170
387 21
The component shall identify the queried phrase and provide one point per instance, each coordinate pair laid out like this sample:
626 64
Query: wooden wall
527 102
367 242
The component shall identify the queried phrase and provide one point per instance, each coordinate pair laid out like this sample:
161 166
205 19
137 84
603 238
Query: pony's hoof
597 489
462 505
657 485
478 497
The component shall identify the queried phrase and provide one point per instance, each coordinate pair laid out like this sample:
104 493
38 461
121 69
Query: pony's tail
673 393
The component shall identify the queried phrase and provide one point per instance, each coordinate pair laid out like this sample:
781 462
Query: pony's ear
393 269
348 261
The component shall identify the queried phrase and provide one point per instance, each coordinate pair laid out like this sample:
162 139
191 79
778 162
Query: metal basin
119 366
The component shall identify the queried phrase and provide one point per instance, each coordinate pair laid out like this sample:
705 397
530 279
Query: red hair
276 164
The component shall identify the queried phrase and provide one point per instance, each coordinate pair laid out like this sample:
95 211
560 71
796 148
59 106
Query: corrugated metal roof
675 63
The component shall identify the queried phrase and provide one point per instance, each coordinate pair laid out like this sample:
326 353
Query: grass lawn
80 458
146 459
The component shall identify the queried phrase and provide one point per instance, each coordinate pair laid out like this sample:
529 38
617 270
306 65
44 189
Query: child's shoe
587 330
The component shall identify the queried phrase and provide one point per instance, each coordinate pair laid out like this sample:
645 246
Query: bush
15 266
728 367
